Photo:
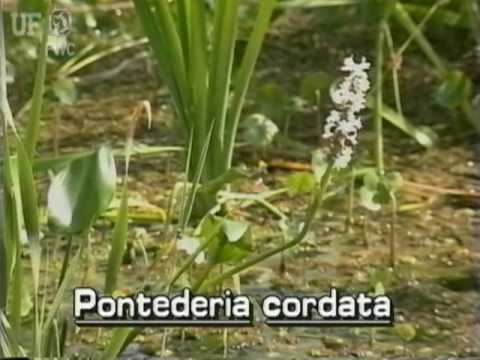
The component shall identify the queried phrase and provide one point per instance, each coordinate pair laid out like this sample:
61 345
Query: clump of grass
198 67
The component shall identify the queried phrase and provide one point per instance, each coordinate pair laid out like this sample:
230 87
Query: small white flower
350 98
332 120
349 65
343 158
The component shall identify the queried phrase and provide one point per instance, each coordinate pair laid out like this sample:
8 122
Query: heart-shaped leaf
234 230
367 199
83 190
231 244
371 193
454 91
259 130
377 190
190 244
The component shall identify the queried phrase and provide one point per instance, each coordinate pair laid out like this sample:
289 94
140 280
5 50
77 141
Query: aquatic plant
198 68
343 124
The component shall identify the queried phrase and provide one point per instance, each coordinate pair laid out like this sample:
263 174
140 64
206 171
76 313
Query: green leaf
371 179
455 89
4 270
424 136
369 191
233 253
119 243
245 72
367 199
80 192
26 303
406 332
377 190
300 183
9 345
259 130
65 91
382 194
234 230
231 243
65 286
190 245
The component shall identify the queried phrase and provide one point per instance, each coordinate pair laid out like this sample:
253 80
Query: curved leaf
455 89
80 192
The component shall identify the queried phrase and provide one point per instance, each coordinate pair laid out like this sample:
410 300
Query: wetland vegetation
277 147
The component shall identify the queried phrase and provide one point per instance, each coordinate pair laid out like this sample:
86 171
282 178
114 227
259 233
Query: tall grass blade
224 39
245 73
33 126
9 346
4 261
119 242
163 52
28 194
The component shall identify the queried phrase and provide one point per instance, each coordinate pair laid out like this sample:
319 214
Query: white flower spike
343 124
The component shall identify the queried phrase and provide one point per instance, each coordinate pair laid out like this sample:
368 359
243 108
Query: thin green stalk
393 229
474 15
420 26
312 211
119 242
378 105
395 56
116 344
377 111
192 258
406 21
351 200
